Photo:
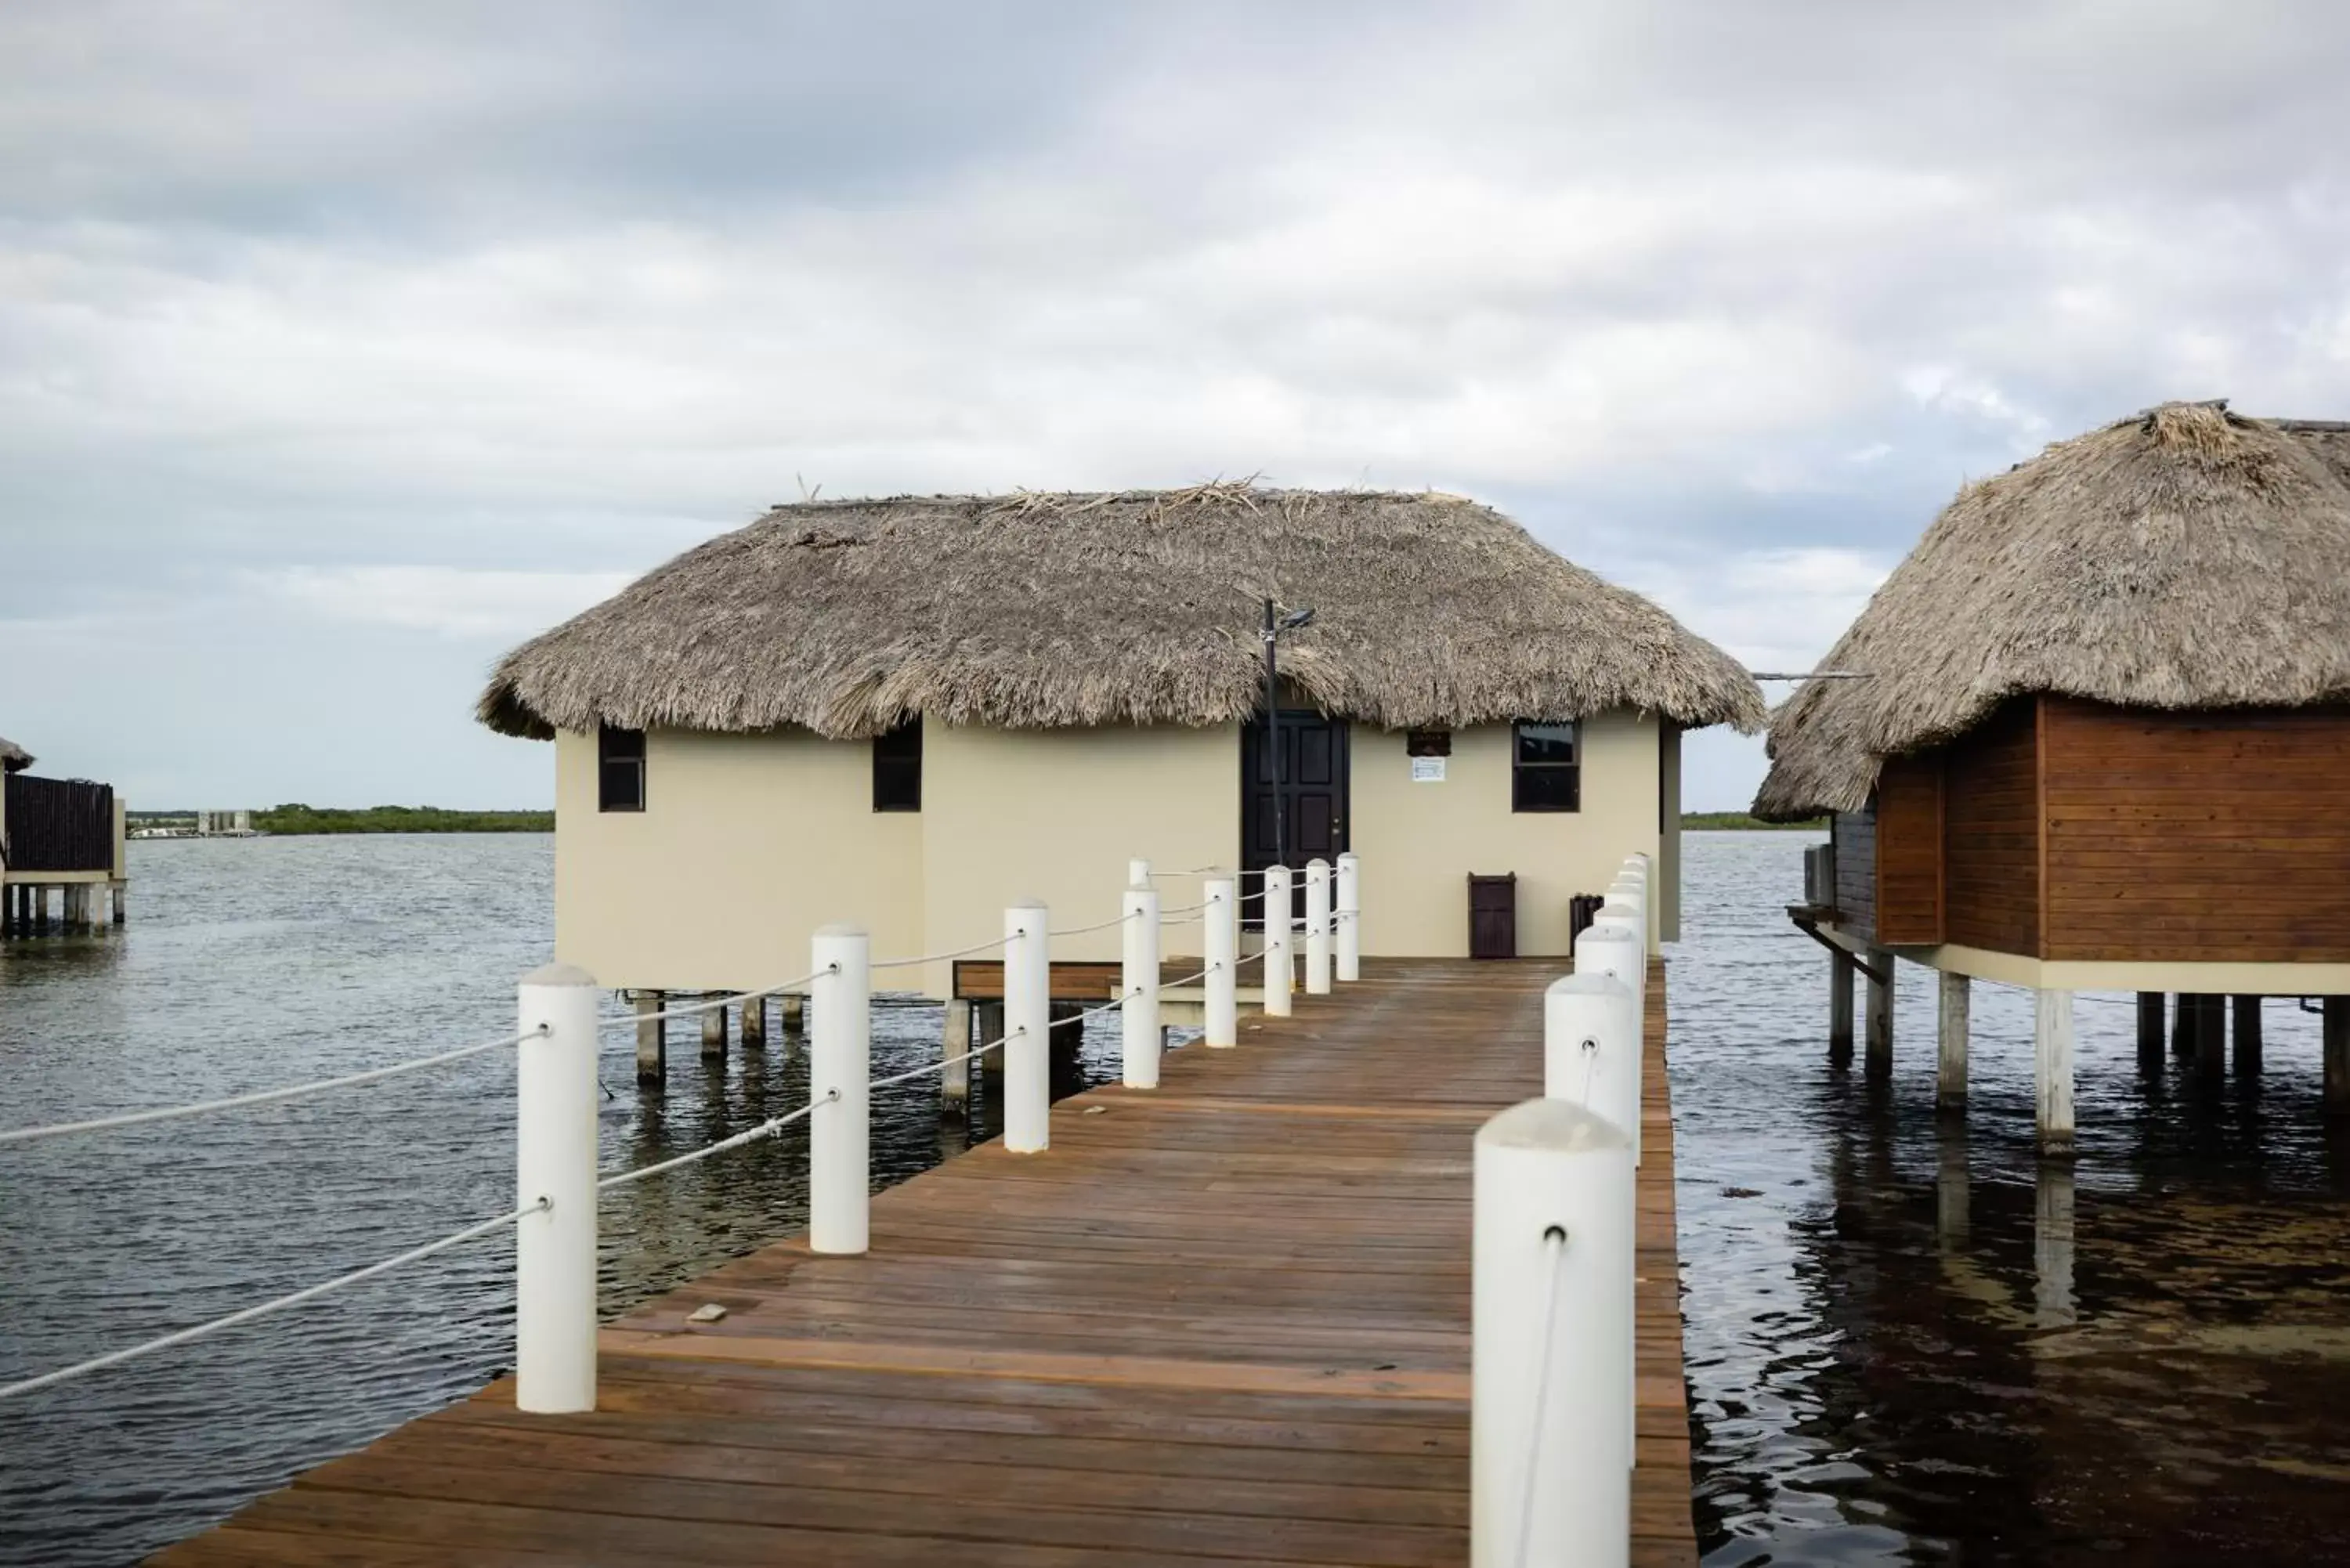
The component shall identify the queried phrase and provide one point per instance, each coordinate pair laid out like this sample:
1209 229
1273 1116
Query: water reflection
1919 1342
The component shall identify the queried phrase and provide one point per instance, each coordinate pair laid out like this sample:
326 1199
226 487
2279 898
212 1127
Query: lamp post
1274 625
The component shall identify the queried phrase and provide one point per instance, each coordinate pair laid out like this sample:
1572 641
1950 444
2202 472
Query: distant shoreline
298 821
1740 821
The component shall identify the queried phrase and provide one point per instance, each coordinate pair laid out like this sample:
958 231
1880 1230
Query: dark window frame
619 756
1546 784
898 768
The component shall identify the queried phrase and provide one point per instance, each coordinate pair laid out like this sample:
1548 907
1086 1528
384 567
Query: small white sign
1427 770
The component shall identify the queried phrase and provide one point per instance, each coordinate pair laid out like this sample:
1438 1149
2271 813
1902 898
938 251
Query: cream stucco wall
746 845
1419 842
1056 814
749 843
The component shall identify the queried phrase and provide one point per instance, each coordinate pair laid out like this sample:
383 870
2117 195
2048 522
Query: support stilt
1840 973
713 1036
652 1038
2211 1037
2248 1036
1952 1026
990 1019
795 1012
121 902
2336 1032
2182 1027
955 1040
2151 1007
1879 1019
2052 1040
754 1023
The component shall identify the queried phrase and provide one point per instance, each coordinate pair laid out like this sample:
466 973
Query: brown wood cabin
2070 831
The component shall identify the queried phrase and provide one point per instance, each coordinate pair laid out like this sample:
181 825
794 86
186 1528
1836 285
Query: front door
1308 780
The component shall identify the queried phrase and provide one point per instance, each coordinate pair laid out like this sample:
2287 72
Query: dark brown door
1312 774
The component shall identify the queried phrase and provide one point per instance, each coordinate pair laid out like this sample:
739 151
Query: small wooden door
1494 916
1312 773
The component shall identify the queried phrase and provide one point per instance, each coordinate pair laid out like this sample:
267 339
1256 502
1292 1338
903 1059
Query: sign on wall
1427 770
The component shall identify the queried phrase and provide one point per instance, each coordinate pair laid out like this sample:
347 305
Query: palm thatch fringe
2184 557
14 758
1048 610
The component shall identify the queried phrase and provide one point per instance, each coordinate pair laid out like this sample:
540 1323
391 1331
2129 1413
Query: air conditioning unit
1819 876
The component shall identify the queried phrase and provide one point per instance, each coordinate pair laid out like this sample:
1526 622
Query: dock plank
1223 1321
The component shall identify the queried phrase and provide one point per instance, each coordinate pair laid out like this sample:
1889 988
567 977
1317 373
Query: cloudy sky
343 345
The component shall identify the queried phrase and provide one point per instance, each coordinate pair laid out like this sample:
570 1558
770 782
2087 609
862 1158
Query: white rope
687 1010
414 1255
264 1097
1097 925
1165 916
1553 1242
935 957
764 1129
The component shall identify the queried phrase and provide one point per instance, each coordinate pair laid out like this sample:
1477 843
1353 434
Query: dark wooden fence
60 824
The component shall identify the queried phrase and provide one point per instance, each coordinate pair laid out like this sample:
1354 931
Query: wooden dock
1224 1321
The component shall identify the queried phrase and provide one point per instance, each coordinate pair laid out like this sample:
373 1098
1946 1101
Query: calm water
1907 1341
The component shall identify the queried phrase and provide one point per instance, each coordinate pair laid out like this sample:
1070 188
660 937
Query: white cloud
444 600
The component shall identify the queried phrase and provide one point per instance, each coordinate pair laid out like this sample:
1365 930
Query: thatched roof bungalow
2102 735
907 712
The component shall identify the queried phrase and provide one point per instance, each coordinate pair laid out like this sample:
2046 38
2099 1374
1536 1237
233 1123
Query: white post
1137 1012
555 1159
1617 953
1348 914
2052 1040
1590 1054
1027 1023
1220 925
840 1066
1317 927
1631 891
1138 873
1280 941
1550 1471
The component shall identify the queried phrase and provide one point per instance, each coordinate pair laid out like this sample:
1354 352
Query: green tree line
296 817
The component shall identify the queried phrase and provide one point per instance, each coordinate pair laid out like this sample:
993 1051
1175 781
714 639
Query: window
619 769
1546 769
898 768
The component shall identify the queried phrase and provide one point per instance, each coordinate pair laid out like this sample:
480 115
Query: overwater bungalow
2094 733
910 712
64 835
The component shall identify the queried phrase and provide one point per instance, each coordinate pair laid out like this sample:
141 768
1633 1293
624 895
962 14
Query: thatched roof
2185 557
1047 611
14 758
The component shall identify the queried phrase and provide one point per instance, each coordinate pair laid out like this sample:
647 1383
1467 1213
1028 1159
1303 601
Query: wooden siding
1910 851
1991 832
1853 834
2181 836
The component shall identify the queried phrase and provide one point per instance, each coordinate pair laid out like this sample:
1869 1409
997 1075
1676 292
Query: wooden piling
2248 1036
955 1040
652 1038
1880 1014
989 1019
2183 1027
754 1023
2210 1036
2151 1020
1840 973
713 1036
2051 1039
795 1012
2336 1032
1952 1025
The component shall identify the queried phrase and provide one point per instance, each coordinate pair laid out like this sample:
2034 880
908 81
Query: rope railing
940 958
278 1305
264 1096
1554 1251
557 1090
765 1129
